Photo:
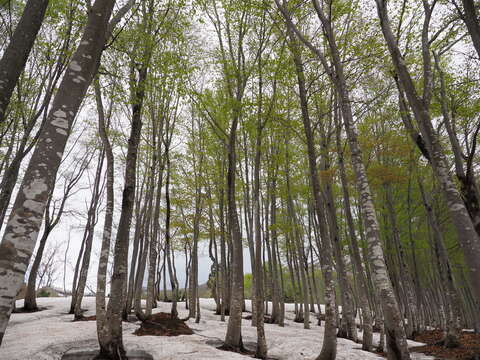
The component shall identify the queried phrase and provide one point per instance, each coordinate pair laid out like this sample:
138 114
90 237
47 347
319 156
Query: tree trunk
168 249
225 292
362 283
404 273
89 229
147 252
40 174
453 327
261 349
329 347
135 257
103 332
233 337
75 274
114 349
16 54
158 133
272 255
193 313
298 256
347 326
470 17
30 302
142 260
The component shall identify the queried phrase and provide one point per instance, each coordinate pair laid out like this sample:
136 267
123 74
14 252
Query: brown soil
300 321
22 310
87 318
227 312
162 324
248 349
82 354
379 353
243 351
469 348
266 318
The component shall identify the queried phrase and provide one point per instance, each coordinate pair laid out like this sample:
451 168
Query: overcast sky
60 236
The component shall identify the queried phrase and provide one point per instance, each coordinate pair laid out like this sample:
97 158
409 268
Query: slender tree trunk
288 252
355 253
405 276
194 265
347 326
233 337
348 316
225 306
470 16
168 249
157 157
277 264
150 252
213 256
18 50
76 272
89 229
115 348
396 338
248 216
165 297
272 256
30 302
10 178
329 347
299 254
135 256
453 327
142 263
261 349
100 306
138 239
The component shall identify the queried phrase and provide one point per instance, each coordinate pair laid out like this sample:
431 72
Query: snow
48 334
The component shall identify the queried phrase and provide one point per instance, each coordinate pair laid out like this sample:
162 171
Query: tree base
95 355
227 312
163 324
84 318
451 342
24 310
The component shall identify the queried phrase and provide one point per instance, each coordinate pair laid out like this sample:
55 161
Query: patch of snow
47 334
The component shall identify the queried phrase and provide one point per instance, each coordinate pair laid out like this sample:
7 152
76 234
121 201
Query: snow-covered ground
48 334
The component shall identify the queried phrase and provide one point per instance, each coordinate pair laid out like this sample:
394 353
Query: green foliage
43 293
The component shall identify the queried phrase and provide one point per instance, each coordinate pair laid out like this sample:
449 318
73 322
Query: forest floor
48 334
469 346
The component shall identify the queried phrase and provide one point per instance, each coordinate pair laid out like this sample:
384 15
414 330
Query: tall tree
26 217
114 349
329 347
16 54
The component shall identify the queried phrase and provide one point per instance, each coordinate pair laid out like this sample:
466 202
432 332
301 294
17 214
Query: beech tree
40 175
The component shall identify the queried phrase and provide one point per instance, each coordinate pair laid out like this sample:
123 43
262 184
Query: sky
71 227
